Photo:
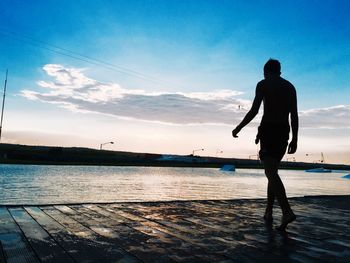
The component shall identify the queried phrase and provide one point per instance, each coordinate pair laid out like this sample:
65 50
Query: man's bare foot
268 220
286 219
268 217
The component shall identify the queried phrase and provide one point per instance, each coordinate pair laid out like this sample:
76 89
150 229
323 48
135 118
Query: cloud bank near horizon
73 90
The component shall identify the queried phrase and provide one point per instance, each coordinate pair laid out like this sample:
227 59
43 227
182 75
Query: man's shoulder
261 82
287 83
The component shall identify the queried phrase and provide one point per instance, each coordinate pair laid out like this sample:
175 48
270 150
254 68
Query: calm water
38 184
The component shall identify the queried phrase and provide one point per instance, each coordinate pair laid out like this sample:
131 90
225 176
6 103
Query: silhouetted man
280 101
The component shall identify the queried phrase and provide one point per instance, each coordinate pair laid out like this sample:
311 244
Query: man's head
272 67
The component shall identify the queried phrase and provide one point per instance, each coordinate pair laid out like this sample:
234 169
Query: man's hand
293 145
235 132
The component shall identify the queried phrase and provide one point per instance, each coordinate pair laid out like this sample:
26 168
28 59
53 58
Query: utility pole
3 104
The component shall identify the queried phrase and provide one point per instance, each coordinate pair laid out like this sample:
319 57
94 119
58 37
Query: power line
71 54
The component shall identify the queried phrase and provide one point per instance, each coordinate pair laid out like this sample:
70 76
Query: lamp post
322 157
196 150
218 152
105 144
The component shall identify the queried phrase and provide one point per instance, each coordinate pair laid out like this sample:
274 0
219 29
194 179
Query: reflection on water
38 184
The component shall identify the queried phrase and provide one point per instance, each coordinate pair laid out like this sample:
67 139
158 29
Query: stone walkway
183 231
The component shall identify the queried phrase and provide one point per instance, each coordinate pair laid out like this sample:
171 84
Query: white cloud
331 117
217 95
73 90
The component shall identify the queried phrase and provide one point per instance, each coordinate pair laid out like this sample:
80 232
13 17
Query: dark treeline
24 154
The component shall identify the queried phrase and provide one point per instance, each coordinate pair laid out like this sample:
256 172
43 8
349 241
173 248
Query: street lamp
218 152
105 144
196 150
322 157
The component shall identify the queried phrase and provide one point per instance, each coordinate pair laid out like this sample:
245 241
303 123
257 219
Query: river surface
43 184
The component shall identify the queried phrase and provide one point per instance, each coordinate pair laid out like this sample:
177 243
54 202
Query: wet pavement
177 231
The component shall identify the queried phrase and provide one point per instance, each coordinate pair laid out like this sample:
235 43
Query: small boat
347 176
228 168
319 170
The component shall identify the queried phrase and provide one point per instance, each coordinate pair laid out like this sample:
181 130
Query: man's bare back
280 102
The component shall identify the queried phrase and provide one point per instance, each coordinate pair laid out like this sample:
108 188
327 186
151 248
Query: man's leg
276 187
270 199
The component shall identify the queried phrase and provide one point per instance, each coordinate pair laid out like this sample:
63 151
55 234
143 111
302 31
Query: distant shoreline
50 155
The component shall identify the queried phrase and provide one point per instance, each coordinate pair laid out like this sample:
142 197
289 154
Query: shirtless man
280 101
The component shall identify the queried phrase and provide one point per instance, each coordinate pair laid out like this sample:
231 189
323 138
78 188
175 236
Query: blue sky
188 52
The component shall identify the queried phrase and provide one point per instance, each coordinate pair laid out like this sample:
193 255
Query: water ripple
40 184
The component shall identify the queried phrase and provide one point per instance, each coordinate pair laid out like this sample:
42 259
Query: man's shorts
273 139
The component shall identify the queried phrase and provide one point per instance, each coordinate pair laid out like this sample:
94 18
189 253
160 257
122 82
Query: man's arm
251 113
294 119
